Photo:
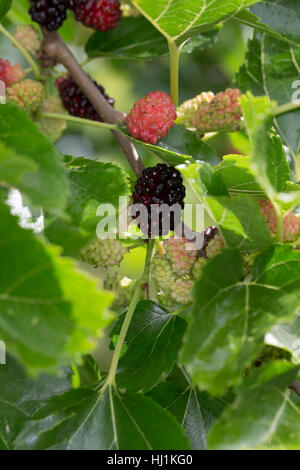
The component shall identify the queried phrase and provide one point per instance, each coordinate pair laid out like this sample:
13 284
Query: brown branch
57 50
296 387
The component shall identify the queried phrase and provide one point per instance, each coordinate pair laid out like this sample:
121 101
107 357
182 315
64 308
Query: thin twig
56 49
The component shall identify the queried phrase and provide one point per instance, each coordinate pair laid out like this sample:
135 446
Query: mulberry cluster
152 117
159 185
290 222
49 13
222 113
100 15
10 74
76 102
27 94
189 108
104 253
214 246
29 38
175 270
181 258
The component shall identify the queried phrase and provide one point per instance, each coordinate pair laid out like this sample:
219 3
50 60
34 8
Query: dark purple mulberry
76 102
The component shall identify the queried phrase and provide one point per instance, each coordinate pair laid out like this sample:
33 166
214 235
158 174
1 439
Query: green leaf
87 373
136 38
4 7
89 420
238 218
268 160
20 396
280 15
178 21
240 222
287 336
238 177
270 63
92 183
46 186
232 316
196 412
178 147
204 181
49 310
265 414
13 167
236 174
153 341
278 18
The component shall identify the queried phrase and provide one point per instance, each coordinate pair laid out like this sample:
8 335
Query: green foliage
265 414
4 7
261 76
195 16
152 341
91 183
218 373
136 38
231 316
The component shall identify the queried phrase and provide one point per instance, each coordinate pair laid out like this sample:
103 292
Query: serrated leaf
265 414
236 174
178 21
238 218
278 18
231 316
270 63
268 160
196 412
89 420
136 38
287 336
49 310
92 183
4 7
20 396
153 340
204 181
46 187
240 222
280 15
178 147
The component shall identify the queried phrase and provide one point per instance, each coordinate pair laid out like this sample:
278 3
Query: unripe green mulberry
162 273
124 289
215 246
222 113
53 128
27 94
181 258
198 268
29 38
181 291
104 253
189 108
